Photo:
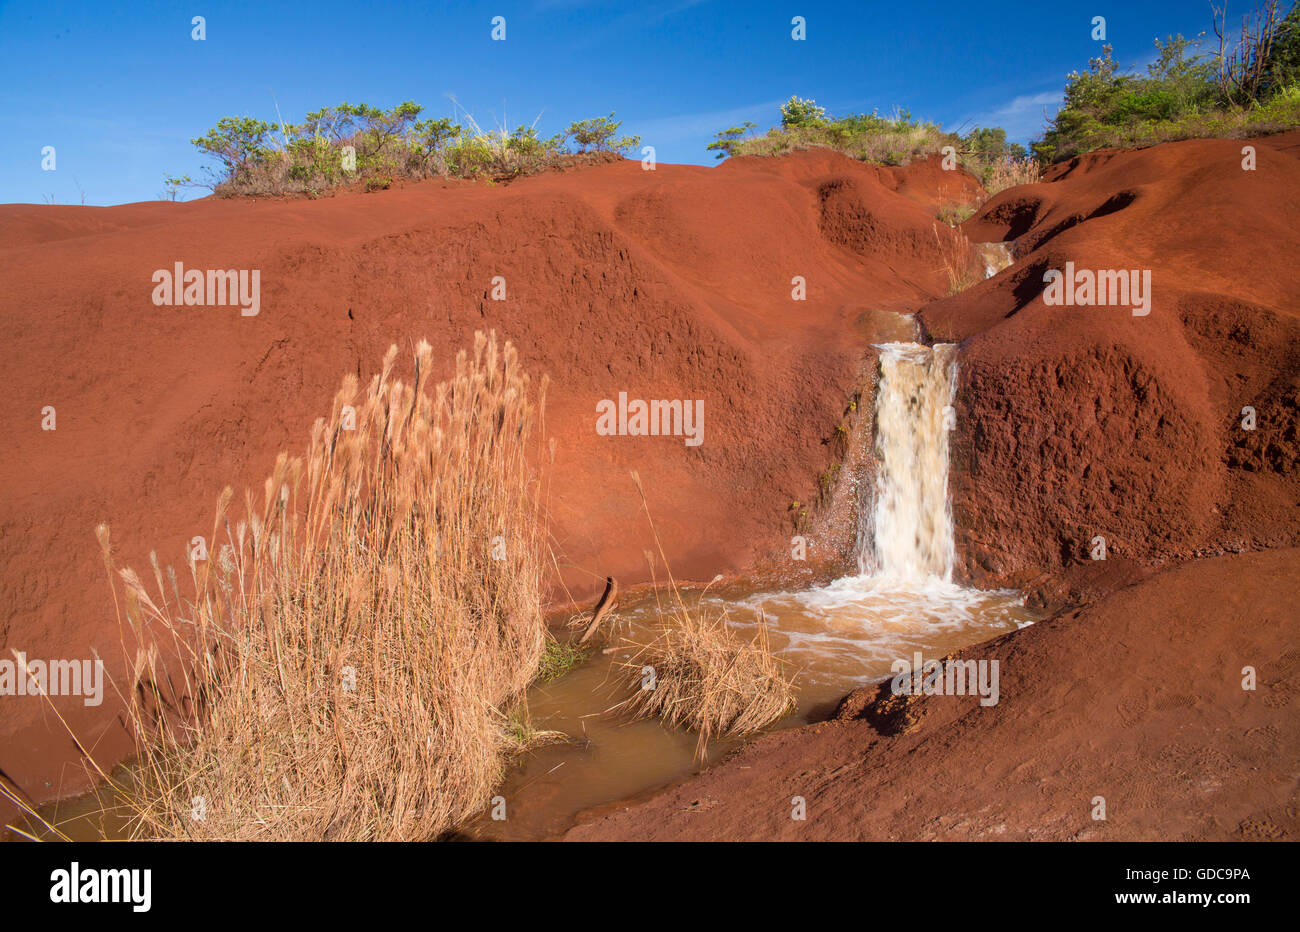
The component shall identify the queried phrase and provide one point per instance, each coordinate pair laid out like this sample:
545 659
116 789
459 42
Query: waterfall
908 537
996 257
902 600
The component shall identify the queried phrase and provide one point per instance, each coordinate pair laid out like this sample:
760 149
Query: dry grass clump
347 663
1009 172
954 213
703 676
868 139
959 257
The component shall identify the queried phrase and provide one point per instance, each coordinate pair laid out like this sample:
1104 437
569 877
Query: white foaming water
996 256
911 536
903 598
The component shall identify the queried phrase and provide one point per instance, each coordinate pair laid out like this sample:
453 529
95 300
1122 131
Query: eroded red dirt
668 284
1072 423
1076 422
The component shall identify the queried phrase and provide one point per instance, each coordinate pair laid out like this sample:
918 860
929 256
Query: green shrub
1184 94
797 112
598 135
868 137
729 139
360 143
871 137
236 142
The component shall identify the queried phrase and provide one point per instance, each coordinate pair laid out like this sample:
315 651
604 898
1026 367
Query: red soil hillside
667 284
1076 422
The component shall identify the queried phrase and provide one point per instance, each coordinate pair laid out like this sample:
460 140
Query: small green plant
826 481
954 214
797 112
172 186
599 134
729 139
558 659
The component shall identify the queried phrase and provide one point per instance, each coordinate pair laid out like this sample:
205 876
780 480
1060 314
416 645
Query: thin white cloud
688 127
1023 117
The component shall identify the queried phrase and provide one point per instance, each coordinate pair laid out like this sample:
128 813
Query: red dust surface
1073 422
672 284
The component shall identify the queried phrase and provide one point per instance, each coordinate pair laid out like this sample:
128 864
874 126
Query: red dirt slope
1137 699
1073 423
1077 422
667 284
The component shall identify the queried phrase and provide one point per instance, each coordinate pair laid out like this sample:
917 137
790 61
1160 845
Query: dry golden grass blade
19 799
340 665
701 676
959 257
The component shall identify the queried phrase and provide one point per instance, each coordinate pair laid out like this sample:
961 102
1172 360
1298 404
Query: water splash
996 257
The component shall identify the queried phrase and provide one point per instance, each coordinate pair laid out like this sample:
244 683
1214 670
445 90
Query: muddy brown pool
835 638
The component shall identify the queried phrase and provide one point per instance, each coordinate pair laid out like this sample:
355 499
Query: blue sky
120 88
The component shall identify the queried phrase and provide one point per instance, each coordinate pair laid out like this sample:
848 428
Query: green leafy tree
433 135
728 139
236 142
798 112
1284 64
380 128
1184 74
1089 103
332 123
599 135
989 144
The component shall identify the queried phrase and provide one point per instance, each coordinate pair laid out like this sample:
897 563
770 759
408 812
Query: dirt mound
1082 422
1074 424
1137 699
666 284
